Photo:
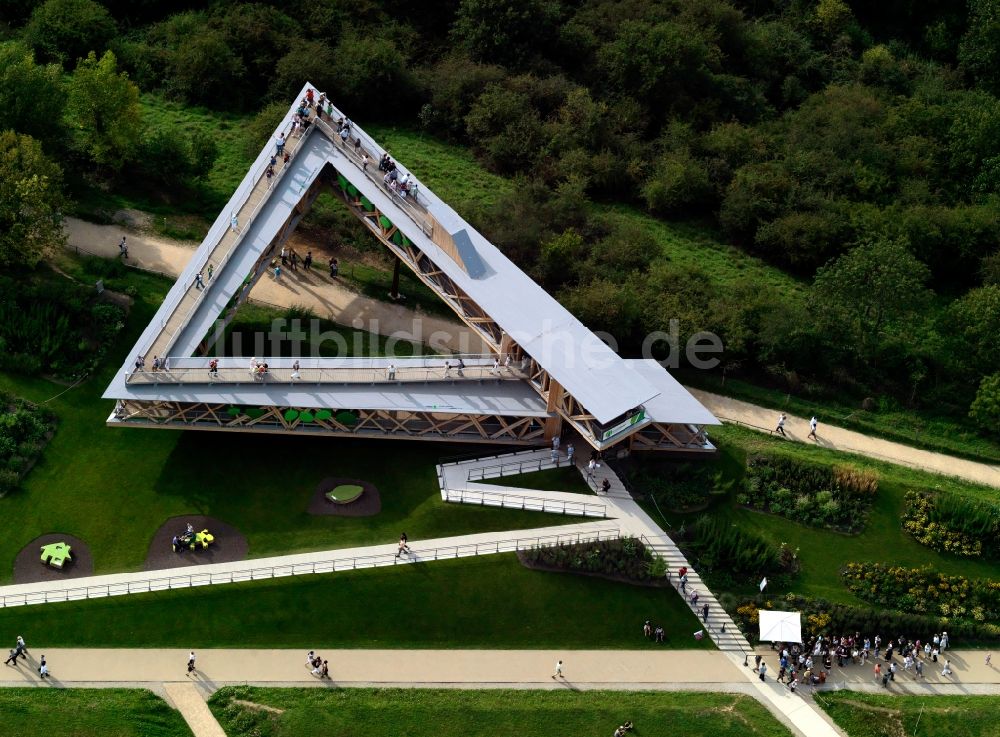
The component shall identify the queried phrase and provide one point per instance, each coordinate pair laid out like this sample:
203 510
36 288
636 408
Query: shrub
925 591
67 30
625 558
23 430
729 555
58 331
676 485
836 497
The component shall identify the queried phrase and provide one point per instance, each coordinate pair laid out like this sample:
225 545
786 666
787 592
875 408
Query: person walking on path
295 370
43 668
592 466
559 672
334 268
213 368
556 441
704 613
21 648
391 372
211 270
813 424
403 547
295 260
781 425
191 660
763 670
12 658
279 144
123 249
989 657
284 256
277 272
234 223
570 450
307 262
198 281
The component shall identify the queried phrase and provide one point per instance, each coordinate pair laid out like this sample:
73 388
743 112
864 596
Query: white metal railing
243 228
431 369
410 205
517 467
141 585
509 500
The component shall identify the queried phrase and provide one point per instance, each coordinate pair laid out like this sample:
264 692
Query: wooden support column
553 423
394 291
506 344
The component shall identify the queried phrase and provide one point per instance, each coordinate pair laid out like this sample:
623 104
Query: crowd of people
810 663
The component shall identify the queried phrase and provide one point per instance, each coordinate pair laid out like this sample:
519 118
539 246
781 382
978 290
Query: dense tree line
852 144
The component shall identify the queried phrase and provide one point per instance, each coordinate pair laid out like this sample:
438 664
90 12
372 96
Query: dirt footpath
314 290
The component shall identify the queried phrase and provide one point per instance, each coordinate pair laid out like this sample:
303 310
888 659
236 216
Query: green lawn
567 478
113 487
492 713
251 319
487 602
877 715
90 712
823 553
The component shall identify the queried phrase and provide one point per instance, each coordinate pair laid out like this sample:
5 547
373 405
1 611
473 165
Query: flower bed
25 428
625 559
820 617
924 591
952 524
835 497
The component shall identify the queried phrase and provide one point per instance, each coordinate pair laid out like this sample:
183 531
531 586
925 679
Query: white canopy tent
780 626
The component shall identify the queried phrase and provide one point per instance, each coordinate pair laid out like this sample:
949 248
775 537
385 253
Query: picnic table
56 554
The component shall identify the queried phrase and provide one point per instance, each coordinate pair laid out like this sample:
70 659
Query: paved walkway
837 438
190 702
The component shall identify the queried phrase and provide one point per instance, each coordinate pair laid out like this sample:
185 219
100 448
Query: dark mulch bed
230 544
28 567
368 504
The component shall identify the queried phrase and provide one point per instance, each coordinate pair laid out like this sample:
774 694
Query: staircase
731 640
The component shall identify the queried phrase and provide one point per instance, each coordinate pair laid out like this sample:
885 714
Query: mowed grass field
494 713
877 715
97 712
490 602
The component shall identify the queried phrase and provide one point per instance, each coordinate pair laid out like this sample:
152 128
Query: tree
203 68
985 409
30 201
975 321
505 31
371 74
67 30
979 52
874 285
29 94
678 183
306 60
103 110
